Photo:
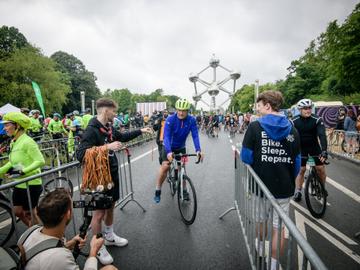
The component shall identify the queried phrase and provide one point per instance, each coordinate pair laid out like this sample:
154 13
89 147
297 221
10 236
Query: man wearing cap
35 129
25 159
56 127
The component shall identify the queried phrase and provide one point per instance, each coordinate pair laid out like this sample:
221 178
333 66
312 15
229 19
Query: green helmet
18 118
182 104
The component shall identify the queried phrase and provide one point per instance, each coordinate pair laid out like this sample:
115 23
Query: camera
94 201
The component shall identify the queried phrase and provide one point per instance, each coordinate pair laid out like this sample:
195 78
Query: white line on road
348 192
326 225
300 220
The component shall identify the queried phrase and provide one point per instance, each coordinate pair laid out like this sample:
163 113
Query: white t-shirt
55 258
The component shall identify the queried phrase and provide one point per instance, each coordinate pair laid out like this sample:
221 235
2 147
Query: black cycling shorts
20 197
176 151
315 155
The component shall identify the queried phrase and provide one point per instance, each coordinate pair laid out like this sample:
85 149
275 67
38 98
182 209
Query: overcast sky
145 45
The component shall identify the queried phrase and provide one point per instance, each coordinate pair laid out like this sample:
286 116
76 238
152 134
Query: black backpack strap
27 233
42 246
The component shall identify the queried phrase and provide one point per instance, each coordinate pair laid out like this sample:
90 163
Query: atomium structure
213 88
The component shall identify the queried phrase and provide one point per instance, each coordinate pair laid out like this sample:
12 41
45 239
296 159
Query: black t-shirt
274 161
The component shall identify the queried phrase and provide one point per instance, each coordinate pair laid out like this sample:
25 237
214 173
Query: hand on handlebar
170 156
323 156
76 239
200 156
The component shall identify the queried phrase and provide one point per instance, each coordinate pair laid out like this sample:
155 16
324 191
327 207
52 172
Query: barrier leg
227 212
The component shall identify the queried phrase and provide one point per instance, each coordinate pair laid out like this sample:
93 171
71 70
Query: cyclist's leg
299 181
320 169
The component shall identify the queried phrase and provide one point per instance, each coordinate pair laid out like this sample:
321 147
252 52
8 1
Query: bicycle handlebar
189 155
325 162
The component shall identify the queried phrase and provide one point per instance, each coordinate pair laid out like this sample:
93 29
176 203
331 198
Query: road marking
231 141
76 188
345 190
301 220
326 225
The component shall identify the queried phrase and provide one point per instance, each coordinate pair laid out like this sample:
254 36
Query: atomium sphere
235 75
214 62
193 77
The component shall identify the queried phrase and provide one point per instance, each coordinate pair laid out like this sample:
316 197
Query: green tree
10 40
20 68
80 80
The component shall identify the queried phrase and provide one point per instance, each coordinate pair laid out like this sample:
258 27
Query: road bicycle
186 194
315 193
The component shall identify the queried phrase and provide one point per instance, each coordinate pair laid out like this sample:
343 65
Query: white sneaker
104 256
116 241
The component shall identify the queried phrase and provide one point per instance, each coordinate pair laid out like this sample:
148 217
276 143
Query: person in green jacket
35 130
25 159
86 118
56 127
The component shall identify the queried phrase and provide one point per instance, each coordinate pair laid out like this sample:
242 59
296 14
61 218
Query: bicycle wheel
59 182
7 226
187 204
315 197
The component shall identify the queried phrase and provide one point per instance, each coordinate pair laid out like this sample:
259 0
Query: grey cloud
144 45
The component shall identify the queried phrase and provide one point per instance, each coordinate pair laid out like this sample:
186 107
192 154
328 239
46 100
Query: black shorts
115 191
20 197
175 151
216 125
315 153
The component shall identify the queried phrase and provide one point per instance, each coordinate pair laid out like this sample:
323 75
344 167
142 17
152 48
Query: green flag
38 96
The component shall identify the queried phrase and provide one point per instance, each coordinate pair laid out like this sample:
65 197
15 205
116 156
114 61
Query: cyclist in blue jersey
177 128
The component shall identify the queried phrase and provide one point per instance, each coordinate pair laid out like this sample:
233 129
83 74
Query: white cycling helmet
304 103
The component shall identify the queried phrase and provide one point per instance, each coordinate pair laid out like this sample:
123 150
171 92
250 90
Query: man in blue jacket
176 130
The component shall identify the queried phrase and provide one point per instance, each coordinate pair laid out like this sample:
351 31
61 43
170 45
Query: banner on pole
37 91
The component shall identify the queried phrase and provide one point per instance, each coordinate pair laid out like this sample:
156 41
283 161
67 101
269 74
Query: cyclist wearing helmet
56 127
177 128
25 159
35 129
311 130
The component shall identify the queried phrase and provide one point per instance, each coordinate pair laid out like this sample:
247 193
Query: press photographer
55 212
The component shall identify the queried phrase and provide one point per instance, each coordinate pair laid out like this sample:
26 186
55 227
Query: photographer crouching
55 212
99 134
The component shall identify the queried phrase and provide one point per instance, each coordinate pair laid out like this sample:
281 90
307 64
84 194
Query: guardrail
344 143
125 185
256 208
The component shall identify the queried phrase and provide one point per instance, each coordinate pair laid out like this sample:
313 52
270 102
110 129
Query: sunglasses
306 108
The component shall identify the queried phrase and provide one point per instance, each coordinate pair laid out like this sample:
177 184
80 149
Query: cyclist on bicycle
177 128
311 130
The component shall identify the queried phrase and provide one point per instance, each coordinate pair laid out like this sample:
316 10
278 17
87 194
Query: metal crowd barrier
343 143
255 207
125 185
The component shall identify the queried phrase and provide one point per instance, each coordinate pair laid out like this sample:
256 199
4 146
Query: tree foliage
328 70
10 40
23 66
80 79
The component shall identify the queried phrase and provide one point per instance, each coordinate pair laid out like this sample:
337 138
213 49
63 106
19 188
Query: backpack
15 258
